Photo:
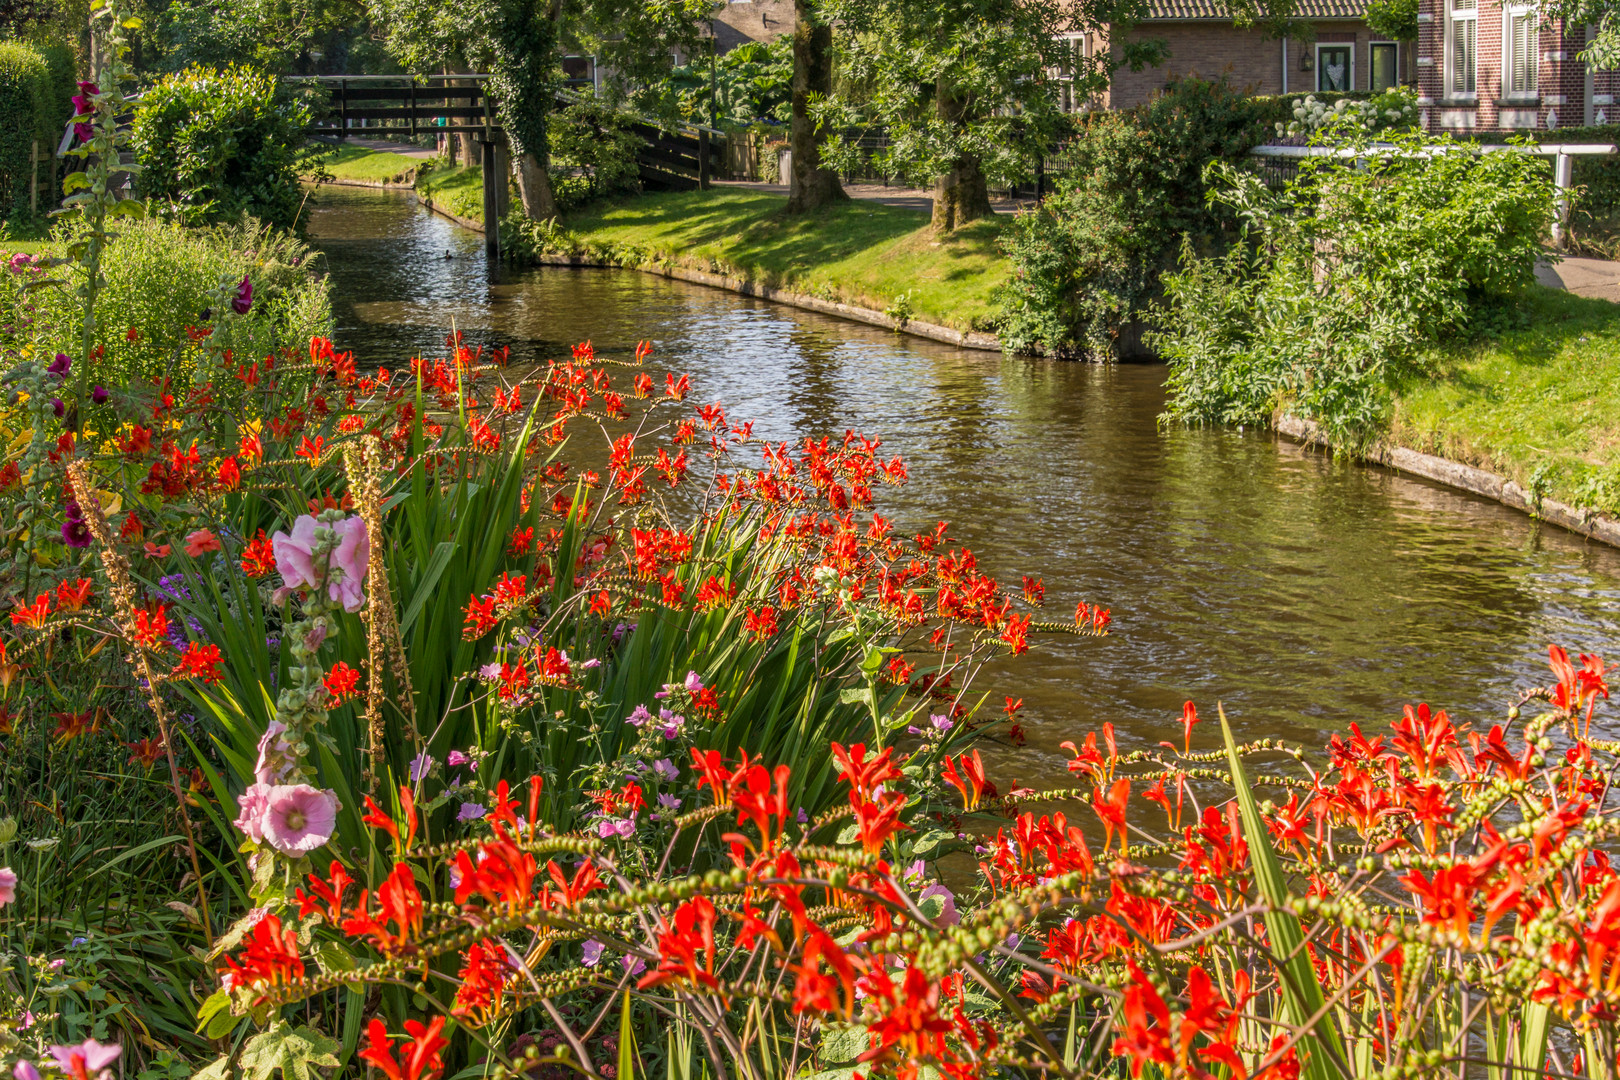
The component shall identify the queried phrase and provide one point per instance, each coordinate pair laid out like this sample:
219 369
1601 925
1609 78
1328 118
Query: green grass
858 252
371 166
460 189
1538 403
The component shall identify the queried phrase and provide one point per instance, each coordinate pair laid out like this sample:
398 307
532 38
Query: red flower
911 1021
480 617
1112 811
199 662
342 682
230 474
259 556
1147 1025
151 626
1016 634
73 597
1189 717
762 623
34 614
757 801
483 981
422 1058
969 781
519 543
863 775
399 904
686 947
270 956
311 450
131 529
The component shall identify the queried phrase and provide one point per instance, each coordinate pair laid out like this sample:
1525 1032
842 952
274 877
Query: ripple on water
1303 592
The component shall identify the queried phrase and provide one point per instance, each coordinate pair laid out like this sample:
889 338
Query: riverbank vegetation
857 252
367 165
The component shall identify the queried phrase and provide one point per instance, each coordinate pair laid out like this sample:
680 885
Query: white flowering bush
1394 110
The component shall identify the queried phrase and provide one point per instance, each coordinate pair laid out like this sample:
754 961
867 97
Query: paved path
903 197
1597 278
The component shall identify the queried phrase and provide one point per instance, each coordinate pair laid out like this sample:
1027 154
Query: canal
1302 591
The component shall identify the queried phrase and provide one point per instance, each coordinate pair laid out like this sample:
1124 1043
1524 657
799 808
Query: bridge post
492 202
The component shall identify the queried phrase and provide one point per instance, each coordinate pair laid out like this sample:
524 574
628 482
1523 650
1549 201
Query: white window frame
1509 13
1080 44
1453 17
1372 51
1350 65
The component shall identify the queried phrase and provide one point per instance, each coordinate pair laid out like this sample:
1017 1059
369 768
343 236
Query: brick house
1490 65
1345 55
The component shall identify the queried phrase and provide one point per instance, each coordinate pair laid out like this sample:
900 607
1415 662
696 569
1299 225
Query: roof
1216 9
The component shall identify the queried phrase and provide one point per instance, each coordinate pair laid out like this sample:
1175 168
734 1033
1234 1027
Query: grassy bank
459 189
366 165
1539 403
857 252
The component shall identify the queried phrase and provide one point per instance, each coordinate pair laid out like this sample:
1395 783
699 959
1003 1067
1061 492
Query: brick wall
1561 99
1247 58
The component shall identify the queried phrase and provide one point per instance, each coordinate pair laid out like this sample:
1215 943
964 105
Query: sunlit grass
1538 403
372 166
858 252
459 190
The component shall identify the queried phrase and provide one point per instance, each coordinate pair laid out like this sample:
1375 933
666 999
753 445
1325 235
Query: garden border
1456 475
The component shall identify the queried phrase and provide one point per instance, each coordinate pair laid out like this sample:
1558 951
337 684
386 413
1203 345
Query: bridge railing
404 105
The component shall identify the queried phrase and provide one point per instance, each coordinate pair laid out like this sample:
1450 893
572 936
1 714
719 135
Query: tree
811 183
967 89
1396 20
1602 51
521 44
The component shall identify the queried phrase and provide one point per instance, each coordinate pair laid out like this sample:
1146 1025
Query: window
1073 50
1461 26
1335 67
1384 61
1520 43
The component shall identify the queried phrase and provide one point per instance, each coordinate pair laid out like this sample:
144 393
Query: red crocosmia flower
1447 897
131 529
230 474
199 662
553 667
325 897
900 672
342 682
1034 591
201 542
969 781
484 972
249 448
1147 1025
398 918
511 589
514 678
910 1021
761 803
269 956
706 702
423 1047
311 450
480 617
878 819
712 772
32 615
10 476
761 624
863 775
1189 717
72 597
1112 811
1430 740
379 820
686 947
601 603
519 543
152 626
157 551
1016 634
259 556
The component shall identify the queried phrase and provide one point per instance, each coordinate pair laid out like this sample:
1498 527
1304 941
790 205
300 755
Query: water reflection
1302 591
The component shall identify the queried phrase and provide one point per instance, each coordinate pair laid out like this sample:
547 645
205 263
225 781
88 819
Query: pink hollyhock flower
201 541
24 1070
252 803
8 885
298 818
352 557
85 1059
294 559
242 303
694 685
273 766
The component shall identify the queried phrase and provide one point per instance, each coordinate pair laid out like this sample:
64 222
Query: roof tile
1216 9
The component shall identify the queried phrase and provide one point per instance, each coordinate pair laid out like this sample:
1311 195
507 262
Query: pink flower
89 1057
8 885
24 1070
201 541
352 557
273 766
694 685
298 818
294 554
252 803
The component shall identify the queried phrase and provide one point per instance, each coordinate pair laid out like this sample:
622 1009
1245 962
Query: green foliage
160 278
593 154
30 114
752 82
223 143
1353 272
1086 264
1393 110
1396 19
270 34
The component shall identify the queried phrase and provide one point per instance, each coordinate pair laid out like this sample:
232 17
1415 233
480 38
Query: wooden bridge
390 105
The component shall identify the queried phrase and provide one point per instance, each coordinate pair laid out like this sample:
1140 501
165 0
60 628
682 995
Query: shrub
1395 110
224 143
1353 272
593 153
30 114
1087 262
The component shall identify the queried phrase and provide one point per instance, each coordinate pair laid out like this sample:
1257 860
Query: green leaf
845 1042
217 1001
74 181
294 1051
627 1042
1302 992
220 1069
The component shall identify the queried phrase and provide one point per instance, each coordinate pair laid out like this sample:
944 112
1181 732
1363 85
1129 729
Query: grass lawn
1539 403
857 252
459 190
372 166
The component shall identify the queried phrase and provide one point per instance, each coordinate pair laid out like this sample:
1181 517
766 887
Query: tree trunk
534 186
810 185
960 194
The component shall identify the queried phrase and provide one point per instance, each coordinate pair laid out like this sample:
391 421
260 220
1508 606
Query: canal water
1303 592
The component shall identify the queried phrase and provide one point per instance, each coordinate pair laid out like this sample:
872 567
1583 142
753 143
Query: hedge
36 87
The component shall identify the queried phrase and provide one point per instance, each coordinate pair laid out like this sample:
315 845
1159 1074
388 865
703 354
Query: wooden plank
425 112
403 93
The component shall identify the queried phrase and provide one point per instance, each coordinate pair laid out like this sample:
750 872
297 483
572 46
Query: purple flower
694 685
491 670
25 1070
421 765
470 811
591 952
639 717
60 366
244 297
665 769
98 394
299 818
75 533
57 407
668 801
586 665
456 759
672 723
941 723
801 817
87 1058
633 965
